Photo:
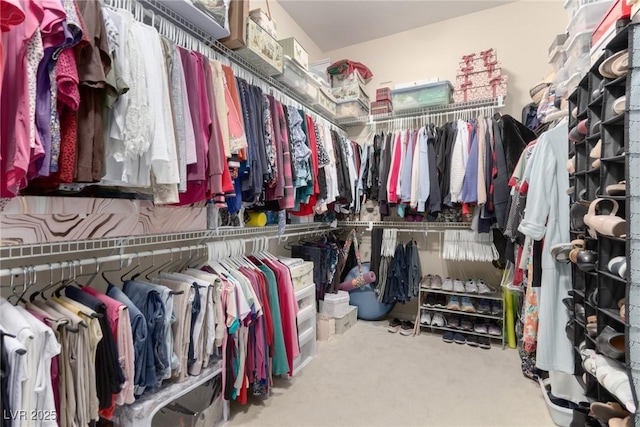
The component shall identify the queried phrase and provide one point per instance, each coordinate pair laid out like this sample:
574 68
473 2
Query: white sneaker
425 318
483 289
458 286
438 320
447 285
471 287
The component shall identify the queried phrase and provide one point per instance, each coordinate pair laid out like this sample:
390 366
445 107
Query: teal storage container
420 96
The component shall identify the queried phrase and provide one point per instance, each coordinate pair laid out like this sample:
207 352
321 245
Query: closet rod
198 34
87 261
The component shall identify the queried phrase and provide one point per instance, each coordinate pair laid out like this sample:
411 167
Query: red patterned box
383 94
479 61
381 107
468 92
480 78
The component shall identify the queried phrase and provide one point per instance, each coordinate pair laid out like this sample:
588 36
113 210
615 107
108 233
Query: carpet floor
370 377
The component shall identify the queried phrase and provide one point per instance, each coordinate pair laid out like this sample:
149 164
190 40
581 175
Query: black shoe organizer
599 291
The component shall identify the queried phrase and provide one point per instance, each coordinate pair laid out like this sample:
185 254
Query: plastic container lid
588 16
422 86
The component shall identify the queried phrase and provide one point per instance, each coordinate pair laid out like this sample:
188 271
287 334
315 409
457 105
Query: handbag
370 211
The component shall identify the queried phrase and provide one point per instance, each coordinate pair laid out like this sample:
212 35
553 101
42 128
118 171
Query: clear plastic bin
319 69
572 6
298 79
351 110
558 59
579 46
587 17
426 95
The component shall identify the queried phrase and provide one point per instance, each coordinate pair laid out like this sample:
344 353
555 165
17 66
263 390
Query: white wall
287 27
521 33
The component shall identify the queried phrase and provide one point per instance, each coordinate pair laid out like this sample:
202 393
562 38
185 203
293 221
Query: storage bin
302 276
587 17
306 297
350 92
319 69
572 6
478 61
560 416
262 50
579 46
339 80
351 110
347 320
335 305
307 342
307 319
298 79
293 49
557 43
326 102
261 18
383 94
558 59
422 96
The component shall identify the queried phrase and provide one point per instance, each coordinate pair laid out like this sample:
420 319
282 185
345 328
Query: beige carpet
369 377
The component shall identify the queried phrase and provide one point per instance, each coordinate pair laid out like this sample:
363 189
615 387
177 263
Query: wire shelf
408 226
415 113
159 8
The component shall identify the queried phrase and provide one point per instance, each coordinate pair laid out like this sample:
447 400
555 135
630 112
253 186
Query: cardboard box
339 80
479 78
347 321
326 102
496 88
326 328
238 14
261 18
479 60
294 50
351 92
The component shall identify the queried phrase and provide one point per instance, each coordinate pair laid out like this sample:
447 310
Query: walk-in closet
313 213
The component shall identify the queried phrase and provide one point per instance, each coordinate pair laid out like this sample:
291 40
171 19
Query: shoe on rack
453 303
480 328
459 339
467 305
496 308
438 320
494 330
466 325
470 286
425 283
425 318
441 301
483 289
605 411
484 306
430 300
447 285
394 325
472 341
458 286
436 282
407 328
453 322
484 343
448 337
620 422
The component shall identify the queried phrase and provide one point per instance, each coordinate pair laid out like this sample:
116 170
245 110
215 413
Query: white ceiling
334 24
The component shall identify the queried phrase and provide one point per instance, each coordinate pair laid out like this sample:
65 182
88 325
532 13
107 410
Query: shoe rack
596 293
475 317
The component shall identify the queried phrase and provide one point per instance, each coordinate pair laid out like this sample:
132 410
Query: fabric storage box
339 80
351 109
346 321
351 92
302 275
381 107
326 327
479 60
497 87
294 50
326 102
260 17
335 304
262 50
422 96
297 79
383 94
